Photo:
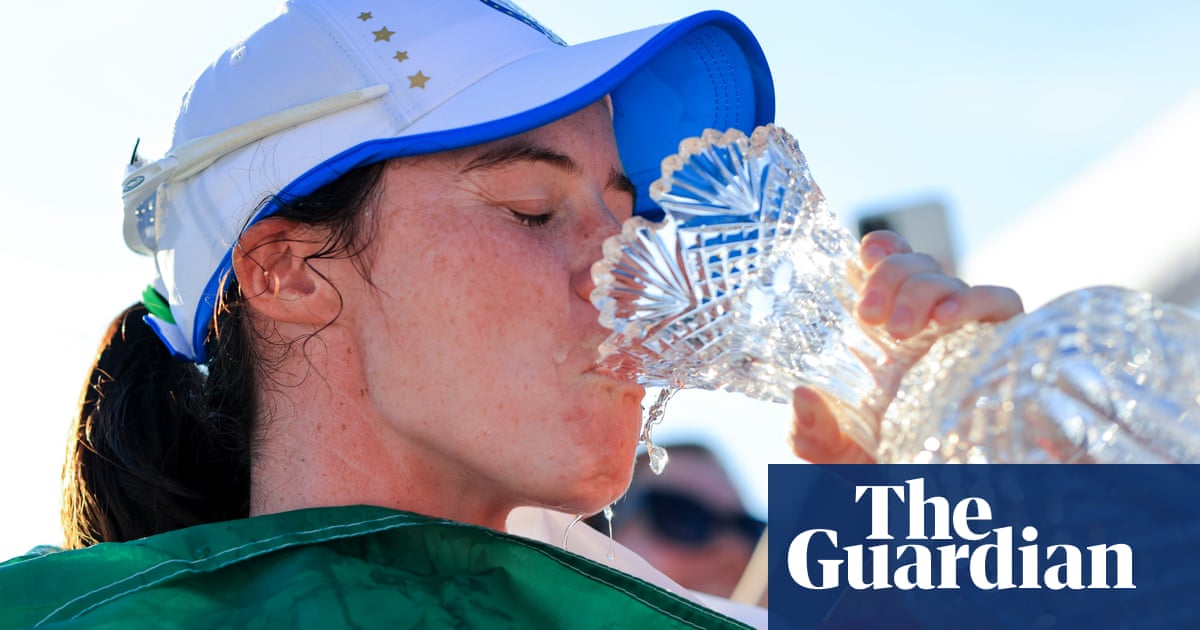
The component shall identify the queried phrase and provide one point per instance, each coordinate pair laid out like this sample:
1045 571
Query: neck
322 442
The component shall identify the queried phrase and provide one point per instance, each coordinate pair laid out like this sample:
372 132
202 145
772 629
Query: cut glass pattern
748 284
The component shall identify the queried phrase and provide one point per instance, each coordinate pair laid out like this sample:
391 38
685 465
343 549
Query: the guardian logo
974 554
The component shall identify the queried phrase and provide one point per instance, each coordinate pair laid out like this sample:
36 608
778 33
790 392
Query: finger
885 280
916 300
815 435
982 303
880 244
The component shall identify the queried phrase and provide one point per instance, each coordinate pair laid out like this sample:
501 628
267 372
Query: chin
596 506
604 441
606 485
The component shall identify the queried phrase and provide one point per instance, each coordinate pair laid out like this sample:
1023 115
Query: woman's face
477 342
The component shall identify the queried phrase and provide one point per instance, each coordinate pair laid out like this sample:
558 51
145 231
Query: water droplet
567 533
657 454
658 458
608 514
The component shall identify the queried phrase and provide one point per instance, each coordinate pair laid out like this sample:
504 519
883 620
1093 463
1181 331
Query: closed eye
532 220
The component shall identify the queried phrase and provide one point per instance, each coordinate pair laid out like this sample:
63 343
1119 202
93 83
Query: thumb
815 435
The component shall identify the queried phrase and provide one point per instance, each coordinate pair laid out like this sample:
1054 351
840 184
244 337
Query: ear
277 279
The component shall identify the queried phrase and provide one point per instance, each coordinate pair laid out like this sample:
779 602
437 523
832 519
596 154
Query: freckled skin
464 411
444 365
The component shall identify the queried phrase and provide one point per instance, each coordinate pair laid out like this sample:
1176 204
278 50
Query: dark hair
160 443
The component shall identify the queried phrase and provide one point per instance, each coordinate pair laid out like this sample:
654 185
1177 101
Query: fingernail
805 419
803 400
946 310
873 253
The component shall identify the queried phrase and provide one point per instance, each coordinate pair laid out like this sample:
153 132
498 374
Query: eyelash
532 220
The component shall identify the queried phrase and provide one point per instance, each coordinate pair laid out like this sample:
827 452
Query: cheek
510 303
481 308
604 406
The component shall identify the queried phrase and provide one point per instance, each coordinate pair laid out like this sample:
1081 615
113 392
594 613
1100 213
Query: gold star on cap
383 35
417 80
401 55
365 15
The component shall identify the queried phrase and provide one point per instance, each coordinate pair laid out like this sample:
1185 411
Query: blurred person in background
689 522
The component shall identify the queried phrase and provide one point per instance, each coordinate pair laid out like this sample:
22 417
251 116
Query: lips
617 367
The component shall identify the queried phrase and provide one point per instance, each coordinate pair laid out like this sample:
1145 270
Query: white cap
330 85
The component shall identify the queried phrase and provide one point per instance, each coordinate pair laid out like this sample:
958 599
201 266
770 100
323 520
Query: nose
583 283
601 225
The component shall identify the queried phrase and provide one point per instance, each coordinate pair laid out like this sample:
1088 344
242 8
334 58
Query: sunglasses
683 520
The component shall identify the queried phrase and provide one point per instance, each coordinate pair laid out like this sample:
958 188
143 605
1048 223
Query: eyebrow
525 152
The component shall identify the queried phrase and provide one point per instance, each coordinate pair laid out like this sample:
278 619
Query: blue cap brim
666 83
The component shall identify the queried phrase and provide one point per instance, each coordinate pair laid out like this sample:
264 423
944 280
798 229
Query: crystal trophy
748 284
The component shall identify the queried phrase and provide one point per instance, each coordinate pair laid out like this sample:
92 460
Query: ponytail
148 451
160 443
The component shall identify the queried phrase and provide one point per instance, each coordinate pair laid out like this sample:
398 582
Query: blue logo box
984 546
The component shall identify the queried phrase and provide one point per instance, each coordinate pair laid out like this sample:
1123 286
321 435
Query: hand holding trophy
749 285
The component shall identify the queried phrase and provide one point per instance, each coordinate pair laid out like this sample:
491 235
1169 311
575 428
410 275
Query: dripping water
567 534
657 454
608 515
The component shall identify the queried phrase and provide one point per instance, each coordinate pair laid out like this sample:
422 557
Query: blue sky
986 107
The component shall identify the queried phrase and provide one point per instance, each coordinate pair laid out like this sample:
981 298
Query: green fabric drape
358 567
